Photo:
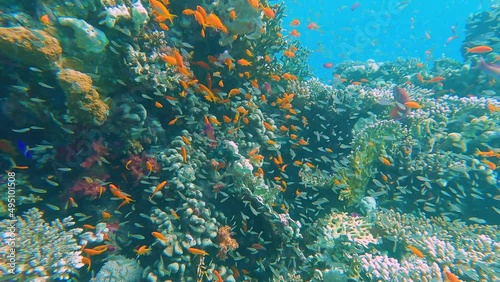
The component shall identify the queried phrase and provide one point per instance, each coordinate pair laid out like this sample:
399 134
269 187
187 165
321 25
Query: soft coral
100 151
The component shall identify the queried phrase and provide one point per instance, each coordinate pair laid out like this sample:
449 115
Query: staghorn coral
342 238
355 229
83 100
226 243
468 251
43 251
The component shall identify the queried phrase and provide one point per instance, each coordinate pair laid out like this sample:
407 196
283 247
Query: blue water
380 30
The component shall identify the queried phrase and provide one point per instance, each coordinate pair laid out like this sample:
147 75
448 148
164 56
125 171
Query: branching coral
468 251
42 251
372 141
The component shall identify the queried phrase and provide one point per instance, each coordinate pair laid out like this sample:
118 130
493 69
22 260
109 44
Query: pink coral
100 151
140 165
88 187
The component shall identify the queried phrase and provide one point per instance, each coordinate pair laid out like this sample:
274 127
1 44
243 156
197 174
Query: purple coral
87 187
100 151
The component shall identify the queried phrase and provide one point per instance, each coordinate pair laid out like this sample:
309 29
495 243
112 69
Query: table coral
30 47
82 99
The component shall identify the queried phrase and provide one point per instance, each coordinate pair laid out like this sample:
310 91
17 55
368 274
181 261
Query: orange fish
294 33
159 236
268 12
161 12
254 4
106 215
295 22
143 250
86 260
217 274
416 251
158 105
158 188
244 62
451 277
479 49
214 21
45 19
232 15
184 154
385 161
492 108
491 165
412 105
436 79
196 251
312 26
172 122
96 250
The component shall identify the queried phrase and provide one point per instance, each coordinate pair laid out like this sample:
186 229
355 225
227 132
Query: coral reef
84 103
30 47
87 37
226 243
43 251
119 268
192 142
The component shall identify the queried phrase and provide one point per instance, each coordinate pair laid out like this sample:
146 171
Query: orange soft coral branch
225 241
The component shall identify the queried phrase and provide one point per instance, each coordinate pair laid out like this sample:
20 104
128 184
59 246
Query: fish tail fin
467 50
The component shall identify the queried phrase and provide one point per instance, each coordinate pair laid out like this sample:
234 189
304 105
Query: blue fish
25 149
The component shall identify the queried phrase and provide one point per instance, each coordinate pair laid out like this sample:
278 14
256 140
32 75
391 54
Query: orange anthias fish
294 33
479 49
268 12
45 19
435 79
416 251
412 105
312 26
451 277
295 22
158 188
215 22
143 250
196 251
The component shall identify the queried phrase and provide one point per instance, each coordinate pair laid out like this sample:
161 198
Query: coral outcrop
83 101
30 47
43 251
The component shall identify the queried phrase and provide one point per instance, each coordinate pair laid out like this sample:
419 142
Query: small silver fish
21 130
52 207
45 85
